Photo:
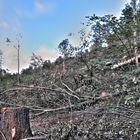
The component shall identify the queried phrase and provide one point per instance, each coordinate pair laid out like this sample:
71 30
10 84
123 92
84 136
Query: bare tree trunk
18 49
129 61
134 6
35 138
14 123
64 67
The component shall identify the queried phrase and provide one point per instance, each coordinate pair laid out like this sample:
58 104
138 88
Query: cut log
125 62
109 63
35 138
14 123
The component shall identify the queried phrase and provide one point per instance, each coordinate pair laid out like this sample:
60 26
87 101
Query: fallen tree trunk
35 138
125 62
14 123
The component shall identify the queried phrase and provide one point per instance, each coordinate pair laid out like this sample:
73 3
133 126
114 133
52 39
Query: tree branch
125 62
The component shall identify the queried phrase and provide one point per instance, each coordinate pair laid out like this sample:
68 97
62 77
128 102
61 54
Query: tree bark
35 138
134 6
129 61
14 123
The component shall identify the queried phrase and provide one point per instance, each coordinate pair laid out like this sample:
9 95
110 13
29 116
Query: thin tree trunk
36 138
18 49
64 67
14 123
134 4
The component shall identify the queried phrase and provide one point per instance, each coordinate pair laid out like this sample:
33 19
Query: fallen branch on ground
25 87
73 106
125 62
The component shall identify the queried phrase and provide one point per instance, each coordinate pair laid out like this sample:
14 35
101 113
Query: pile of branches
77 105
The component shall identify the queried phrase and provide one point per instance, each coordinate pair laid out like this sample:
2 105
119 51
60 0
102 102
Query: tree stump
14 123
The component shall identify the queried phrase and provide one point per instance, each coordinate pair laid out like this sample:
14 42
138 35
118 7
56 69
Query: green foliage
27 70
36 61
59 60
7 81
47 64
126 22
66 48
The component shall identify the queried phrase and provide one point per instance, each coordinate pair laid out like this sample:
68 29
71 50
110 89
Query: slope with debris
76 105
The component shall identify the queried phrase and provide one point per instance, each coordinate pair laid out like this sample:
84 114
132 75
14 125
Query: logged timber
14 123
125 62
35 138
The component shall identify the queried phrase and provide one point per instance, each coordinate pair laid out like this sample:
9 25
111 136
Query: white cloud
46 53
4 25
42 7
10 57
10 25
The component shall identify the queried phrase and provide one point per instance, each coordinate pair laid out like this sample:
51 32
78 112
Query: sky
40 25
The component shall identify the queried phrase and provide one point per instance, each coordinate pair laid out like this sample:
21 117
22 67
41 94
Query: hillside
73 104
91 91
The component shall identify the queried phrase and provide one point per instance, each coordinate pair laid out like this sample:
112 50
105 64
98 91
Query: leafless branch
3 135
125 62
25 87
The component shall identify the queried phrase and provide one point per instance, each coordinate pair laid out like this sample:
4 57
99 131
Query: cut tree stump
14 123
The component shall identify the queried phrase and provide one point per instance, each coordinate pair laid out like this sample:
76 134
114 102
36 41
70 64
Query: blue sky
45 23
